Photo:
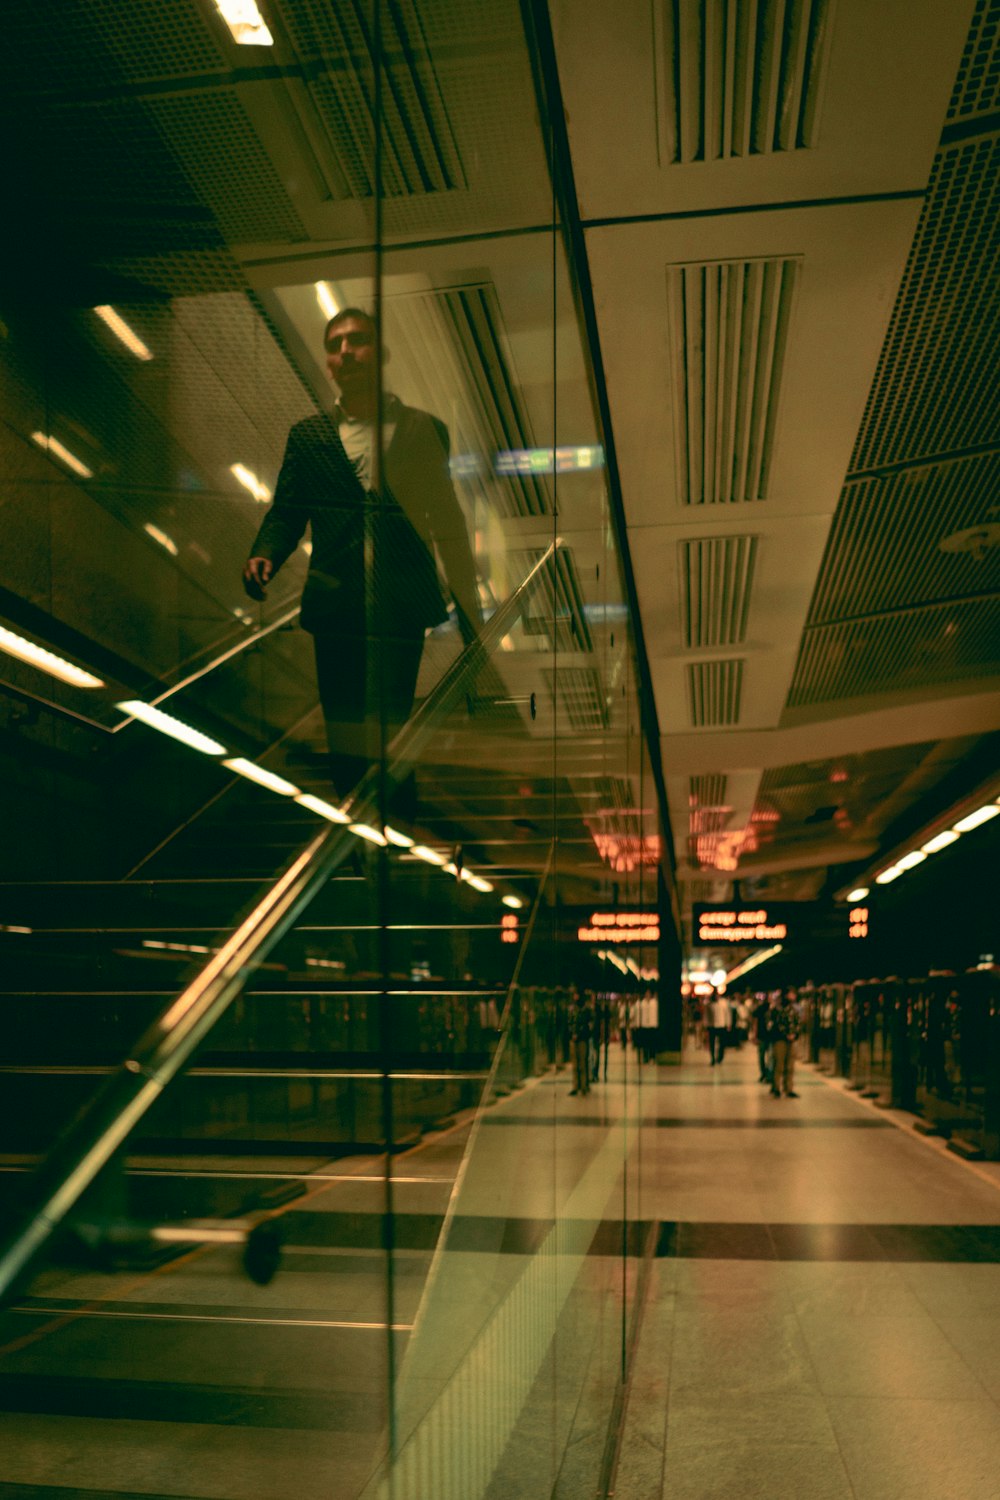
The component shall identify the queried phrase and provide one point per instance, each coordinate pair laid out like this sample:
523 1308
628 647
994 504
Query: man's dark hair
349 312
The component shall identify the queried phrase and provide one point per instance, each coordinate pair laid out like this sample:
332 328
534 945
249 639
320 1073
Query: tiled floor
828 1323
822 1317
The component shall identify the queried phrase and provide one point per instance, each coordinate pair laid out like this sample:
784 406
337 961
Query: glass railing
344 1185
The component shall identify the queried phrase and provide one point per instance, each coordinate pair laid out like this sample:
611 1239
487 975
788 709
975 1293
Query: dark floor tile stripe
62 1492
715 1081
694 1122
158 1401
949 1243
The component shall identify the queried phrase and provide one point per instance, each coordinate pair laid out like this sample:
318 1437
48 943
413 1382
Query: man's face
352 355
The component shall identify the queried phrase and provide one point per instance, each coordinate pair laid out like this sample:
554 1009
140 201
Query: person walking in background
580 1031
718 1013
762 1036
784 1033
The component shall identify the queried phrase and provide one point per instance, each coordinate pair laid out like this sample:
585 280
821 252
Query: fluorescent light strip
54 446
752 962
155 718
858 895
941 841
256 773
365 831
121 330
973 819
888 876
513 901
46 661
429 856
401 840
167 542
177 947
478 883
909 861
246 24
326 300
248 479
324 809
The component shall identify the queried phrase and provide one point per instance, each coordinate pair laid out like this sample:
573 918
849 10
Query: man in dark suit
372 482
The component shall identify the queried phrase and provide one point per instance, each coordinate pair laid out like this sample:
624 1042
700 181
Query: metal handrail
105 1123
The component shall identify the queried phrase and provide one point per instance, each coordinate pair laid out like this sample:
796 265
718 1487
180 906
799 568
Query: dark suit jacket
391 538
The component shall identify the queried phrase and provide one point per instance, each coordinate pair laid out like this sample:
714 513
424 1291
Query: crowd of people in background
772 1021
595 1021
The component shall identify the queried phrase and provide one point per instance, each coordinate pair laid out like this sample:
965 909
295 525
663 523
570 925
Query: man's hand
257 575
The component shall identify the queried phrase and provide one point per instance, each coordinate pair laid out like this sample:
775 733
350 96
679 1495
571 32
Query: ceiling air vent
453 339
706 798
578 691
714 690
899 651
977 87
934 391
419 152
737 78
474 317
911 538
729 330
716 579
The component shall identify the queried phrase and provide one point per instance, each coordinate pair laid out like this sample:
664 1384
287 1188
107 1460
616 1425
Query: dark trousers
364 682
581 1066
717 1043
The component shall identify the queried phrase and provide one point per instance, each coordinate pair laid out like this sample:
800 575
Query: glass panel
395 1203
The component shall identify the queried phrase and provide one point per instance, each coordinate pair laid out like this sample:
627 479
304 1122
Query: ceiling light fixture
54 446
245 22
365 831
973 819
401 840
155 718
888 876
166 542
908 861
125 335
857 895
248 479
479 884
429 856
513 901
268 779
324 809
46 661
940 841
326 300
752 962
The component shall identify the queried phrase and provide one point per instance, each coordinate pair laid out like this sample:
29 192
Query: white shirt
358 436
718 1011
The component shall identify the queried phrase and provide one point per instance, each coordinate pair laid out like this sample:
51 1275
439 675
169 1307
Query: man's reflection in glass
373 587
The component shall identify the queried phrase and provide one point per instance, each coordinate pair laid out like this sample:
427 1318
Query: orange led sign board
620 927
746 926
859 922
